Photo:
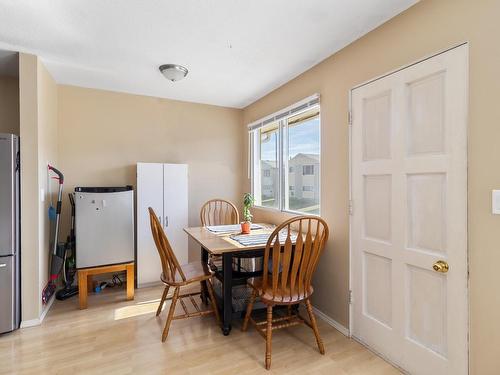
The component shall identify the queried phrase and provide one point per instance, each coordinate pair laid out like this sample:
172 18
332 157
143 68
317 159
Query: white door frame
351 320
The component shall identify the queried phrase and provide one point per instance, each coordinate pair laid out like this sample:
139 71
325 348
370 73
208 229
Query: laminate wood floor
115 336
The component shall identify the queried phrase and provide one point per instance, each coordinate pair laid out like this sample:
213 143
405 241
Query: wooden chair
289 283
175 276
219 212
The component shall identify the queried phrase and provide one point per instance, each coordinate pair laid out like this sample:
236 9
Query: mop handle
60 178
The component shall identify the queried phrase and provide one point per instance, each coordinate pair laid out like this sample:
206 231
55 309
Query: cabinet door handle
166 221
159 219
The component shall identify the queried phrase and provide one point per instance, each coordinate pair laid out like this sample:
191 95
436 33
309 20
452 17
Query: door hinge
349 117
350 297
351 208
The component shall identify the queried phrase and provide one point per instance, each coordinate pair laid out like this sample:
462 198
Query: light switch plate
495 202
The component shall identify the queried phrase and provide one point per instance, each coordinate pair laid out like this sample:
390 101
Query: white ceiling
236 51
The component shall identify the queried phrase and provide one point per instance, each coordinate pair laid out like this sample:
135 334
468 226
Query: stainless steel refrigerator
10 265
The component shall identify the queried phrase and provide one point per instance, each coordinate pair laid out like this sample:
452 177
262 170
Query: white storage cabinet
164 187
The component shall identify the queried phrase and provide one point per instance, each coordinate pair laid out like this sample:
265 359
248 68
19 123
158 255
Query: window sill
288 212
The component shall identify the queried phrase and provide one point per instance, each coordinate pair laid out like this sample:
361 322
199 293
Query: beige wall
47 153
38 126
102 135
28 129
426 28
9 105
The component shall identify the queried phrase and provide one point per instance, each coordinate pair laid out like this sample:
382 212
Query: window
282 147
307 170
268 166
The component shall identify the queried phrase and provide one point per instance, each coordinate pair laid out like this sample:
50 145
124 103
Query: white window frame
254 149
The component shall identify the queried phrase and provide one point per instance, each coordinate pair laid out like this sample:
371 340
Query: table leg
227 290
204 291
130 281
82 289
90 283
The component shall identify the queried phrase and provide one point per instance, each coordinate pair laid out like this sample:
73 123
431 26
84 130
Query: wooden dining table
223 245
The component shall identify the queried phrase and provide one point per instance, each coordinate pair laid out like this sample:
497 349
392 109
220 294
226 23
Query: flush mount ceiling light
173 72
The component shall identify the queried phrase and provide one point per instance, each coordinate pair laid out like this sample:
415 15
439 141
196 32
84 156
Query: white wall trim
30 323
47 307
339 327
149 285
38 321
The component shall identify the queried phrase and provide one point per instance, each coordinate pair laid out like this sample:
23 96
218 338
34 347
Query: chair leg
170 314
244 327
314 325
269 333
163 297
211 294
204 291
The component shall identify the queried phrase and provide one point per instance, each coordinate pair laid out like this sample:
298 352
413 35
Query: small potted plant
248 201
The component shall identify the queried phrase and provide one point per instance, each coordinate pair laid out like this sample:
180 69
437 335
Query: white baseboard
30 323
38 321
47 308
149 285
339 327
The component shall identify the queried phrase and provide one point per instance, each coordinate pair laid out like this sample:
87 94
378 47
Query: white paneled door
409 217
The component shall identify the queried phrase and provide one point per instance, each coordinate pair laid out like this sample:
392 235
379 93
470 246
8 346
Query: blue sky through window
303 138
268 148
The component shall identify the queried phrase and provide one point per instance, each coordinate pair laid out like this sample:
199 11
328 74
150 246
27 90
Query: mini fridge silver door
104 228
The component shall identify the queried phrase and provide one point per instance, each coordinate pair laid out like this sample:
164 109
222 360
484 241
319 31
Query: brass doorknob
441 266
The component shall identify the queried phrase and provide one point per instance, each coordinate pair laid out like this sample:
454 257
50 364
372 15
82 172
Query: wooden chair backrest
169 263
293 267
219 212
